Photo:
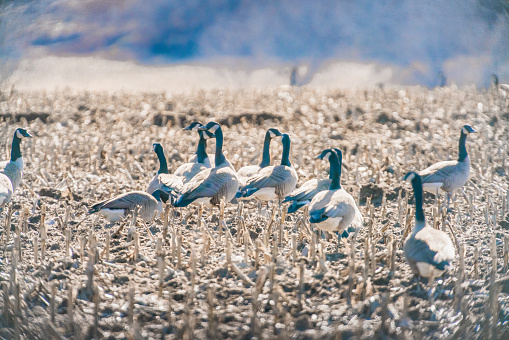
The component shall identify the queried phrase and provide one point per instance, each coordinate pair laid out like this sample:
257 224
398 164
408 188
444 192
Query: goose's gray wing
127 201
13 172
281 177
209 183
439 172
309 190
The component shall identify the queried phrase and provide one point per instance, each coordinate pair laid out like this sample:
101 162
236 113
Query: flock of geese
207 182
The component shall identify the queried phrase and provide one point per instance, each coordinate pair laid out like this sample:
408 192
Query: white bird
13 168
210 186
272 182
449 175
169 184
428 251
334 209
247 171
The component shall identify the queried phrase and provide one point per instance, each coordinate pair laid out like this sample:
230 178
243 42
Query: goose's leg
259 206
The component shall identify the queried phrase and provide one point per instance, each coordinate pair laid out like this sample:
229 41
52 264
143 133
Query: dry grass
258 276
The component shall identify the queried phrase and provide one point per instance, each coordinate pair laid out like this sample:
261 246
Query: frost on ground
266 275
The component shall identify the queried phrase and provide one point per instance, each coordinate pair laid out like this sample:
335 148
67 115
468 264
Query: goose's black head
194 126
325 154
286 140
274 133
157 147
22 133
411 176
467 129
210 127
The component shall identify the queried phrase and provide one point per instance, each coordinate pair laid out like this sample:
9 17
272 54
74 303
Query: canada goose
428 251
210 186
247 171
200 160
449 175
272 182
334 209
14 167
170 184
5 190
117 208
303 195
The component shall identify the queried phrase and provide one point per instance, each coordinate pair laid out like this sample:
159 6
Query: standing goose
169 184
200 160
449 175
210 186
428 251
272 182
117 208
334 209
13 168
247 171
303 195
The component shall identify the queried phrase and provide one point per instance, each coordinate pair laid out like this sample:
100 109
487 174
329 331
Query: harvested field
264 276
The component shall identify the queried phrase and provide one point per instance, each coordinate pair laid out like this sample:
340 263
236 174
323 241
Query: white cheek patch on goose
19 135
272 134
214 128
410 177
327 156
464 131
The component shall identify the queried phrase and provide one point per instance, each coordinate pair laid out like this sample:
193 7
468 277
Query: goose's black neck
285 160
266 151
15 148
463 150
335 161
201 151
163 165
417 186
220 159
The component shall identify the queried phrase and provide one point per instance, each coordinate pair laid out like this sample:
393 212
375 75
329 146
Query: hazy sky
422 37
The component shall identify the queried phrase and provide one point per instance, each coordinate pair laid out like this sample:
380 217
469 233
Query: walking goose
428 251
303 195
169 184
200 160
272 182
117 208
210 186
247 171
334 209
449 175
13 168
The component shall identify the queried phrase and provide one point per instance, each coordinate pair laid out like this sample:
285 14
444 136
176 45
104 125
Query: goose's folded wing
170 181
210 186
438 172
270 177
125 201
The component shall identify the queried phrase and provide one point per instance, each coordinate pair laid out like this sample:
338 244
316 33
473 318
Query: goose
303 195
169 184
272 182
449 175
428 251
334 210
13 168
210 186
118 207
247 171
200 160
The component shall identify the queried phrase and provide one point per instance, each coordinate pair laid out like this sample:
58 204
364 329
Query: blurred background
176 45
